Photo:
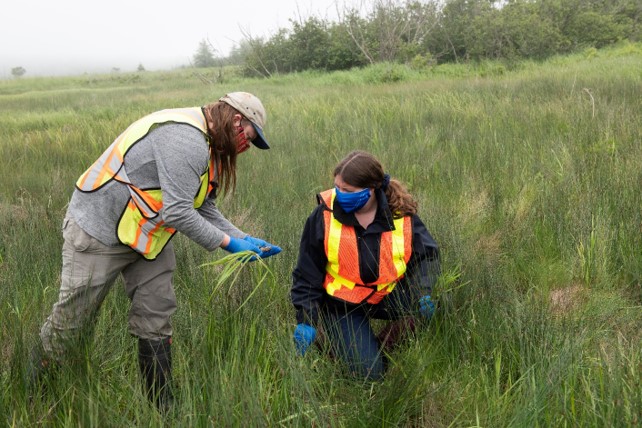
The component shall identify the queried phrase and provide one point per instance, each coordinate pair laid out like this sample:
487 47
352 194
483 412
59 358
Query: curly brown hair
362 169
222 134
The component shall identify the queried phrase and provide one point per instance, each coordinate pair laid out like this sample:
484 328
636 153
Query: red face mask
242 143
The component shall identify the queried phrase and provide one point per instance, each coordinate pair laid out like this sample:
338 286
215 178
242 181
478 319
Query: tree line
424 33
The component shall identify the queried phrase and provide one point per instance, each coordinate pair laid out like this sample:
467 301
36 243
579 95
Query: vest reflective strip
144 232
137 241
342 274
333 239
394 247
95 173
206 188
147 205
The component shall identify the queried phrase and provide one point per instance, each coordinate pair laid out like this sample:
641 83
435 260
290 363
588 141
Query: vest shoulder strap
325 198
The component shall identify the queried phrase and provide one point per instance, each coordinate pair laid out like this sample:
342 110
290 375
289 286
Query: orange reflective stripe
103 172
211 176
151 233
139 231
148 200
106 169
83 178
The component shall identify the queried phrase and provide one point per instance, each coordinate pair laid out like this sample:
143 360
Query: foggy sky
73 37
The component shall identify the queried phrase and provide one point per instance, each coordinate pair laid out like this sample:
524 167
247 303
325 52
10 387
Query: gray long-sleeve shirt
171 157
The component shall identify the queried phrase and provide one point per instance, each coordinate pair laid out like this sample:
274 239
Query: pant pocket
79 239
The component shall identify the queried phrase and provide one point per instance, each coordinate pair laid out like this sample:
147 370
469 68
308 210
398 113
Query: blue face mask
352 201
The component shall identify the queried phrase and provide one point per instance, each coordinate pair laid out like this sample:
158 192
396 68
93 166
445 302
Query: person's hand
272 250
266 248
426 307
237 245
256 241
304 335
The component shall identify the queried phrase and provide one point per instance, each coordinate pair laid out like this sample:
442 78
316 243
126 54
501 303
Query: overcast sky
53 37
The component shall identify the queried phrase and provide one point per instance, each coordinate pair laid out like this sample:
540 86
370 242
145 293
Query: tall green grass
527 175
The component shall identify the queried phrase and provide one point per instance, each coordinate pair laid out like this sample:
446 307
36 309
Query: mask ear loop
242 143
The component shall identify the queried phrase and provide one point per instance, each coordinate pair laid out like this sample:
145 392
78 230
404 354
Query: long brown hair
361 169
222 133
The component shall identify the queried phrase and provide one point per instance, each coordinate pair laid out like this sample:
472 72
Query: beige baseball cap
252 108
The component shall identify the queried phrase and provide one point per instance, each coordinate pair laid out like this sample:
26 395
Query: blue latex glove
237 245
271 248
304 335
256 241
271 252
426 307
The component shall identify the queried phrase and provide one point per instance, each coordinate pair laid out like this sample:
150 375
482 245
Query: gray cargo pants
89 269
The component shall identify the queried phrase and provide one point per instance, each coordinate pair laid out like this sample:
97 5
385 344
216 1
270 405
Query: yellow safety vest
140 226
343 280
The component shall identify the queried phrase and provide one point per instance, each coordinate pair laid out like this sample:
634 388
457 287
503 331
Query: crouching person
364 255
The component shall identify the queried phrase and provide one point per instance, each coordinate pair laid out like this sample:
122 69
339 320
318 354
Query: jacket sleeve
211 213
181 155
307 290
423 266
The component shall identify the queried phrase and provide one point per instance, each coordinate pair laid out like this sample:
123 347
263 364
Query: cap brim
260 141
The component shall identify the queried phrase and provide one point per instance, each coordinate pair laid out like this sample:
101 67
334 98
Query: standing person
159 177
364 255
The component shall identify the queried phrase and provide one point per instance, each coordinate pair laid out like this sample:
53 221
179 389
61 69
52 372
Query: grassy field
527 175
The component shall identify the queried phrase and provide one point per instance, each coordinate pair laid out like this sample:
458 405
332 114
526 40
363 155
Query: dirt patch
13 212
490 246
565 300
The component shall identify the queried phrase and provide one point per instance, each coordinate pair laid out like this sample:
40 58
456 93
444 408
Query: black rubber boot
392 334
155 363
39 368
